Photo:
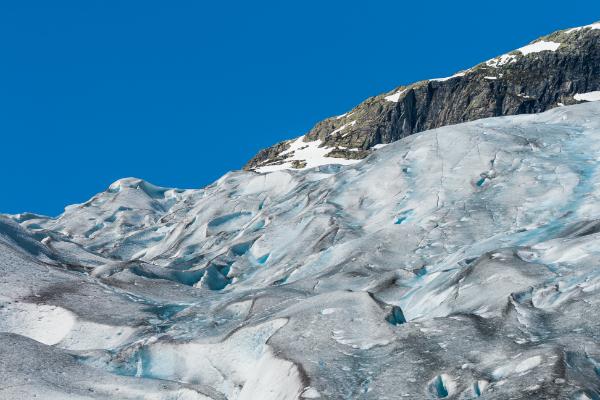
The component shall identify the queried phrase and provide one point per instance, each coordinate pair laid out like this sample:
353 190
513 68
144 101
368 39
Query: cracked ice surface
456 263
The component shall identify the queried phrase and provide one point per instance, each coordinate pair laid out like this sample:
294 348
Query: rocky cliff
559 69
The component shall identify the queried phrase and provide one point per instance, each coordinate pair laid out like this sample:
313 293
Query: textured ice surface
456 263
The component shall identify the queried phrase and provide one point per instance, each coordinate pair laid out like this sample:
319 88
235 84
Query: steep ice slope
457 263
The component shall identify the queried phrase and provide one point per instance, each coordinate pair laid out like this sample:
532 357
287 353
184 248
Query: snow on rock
536 47
457 75
395 97
590 96
501 60
579 28
309 152
540 46
341 128
344 115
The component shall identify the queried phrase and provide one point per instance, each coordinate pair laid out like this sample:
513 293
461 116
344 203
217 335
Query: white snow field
457 263
537 47
590 96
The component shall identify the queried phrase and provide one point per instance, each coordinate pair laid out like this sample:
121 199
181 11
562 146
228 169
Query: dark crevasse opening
216 278
263 259
240 249
188 278
402 217
396 316
438 387
479 388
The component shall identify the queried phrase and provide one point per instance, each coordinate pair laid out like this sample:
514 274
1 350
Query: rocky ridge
554 70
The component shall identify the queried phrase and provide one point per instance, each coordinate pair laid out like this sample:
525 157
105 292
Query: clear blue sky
180 92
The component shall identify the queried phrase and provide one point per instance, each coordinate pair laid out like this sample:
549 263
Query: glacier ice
456 263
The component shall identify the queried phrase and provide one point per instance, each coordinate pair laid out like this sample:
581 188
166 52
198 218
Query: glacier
456 263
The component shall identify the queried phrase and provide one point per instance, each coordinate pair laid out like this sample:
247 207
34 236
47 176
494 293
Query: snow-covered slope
456 263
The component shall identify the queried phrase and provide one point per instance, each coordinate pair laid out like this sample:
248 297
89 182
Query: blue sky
180 92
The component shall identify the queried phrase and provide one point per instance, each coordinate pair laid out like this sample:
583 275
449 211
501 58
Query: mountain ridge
546 73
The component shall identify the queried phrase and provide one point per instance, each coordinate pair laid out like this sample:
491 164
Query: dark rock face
270 155
515 83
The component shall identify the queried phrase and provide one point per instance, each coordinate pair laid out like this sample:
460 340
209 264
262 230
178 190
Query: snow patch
311 393
310 152
343 127
501 61
395 97
591 26
457 75
540 46
380 146
344 115
589 96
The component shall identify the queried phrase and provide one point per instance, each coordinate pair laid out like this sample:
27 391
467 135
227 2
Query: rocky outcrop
545 74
